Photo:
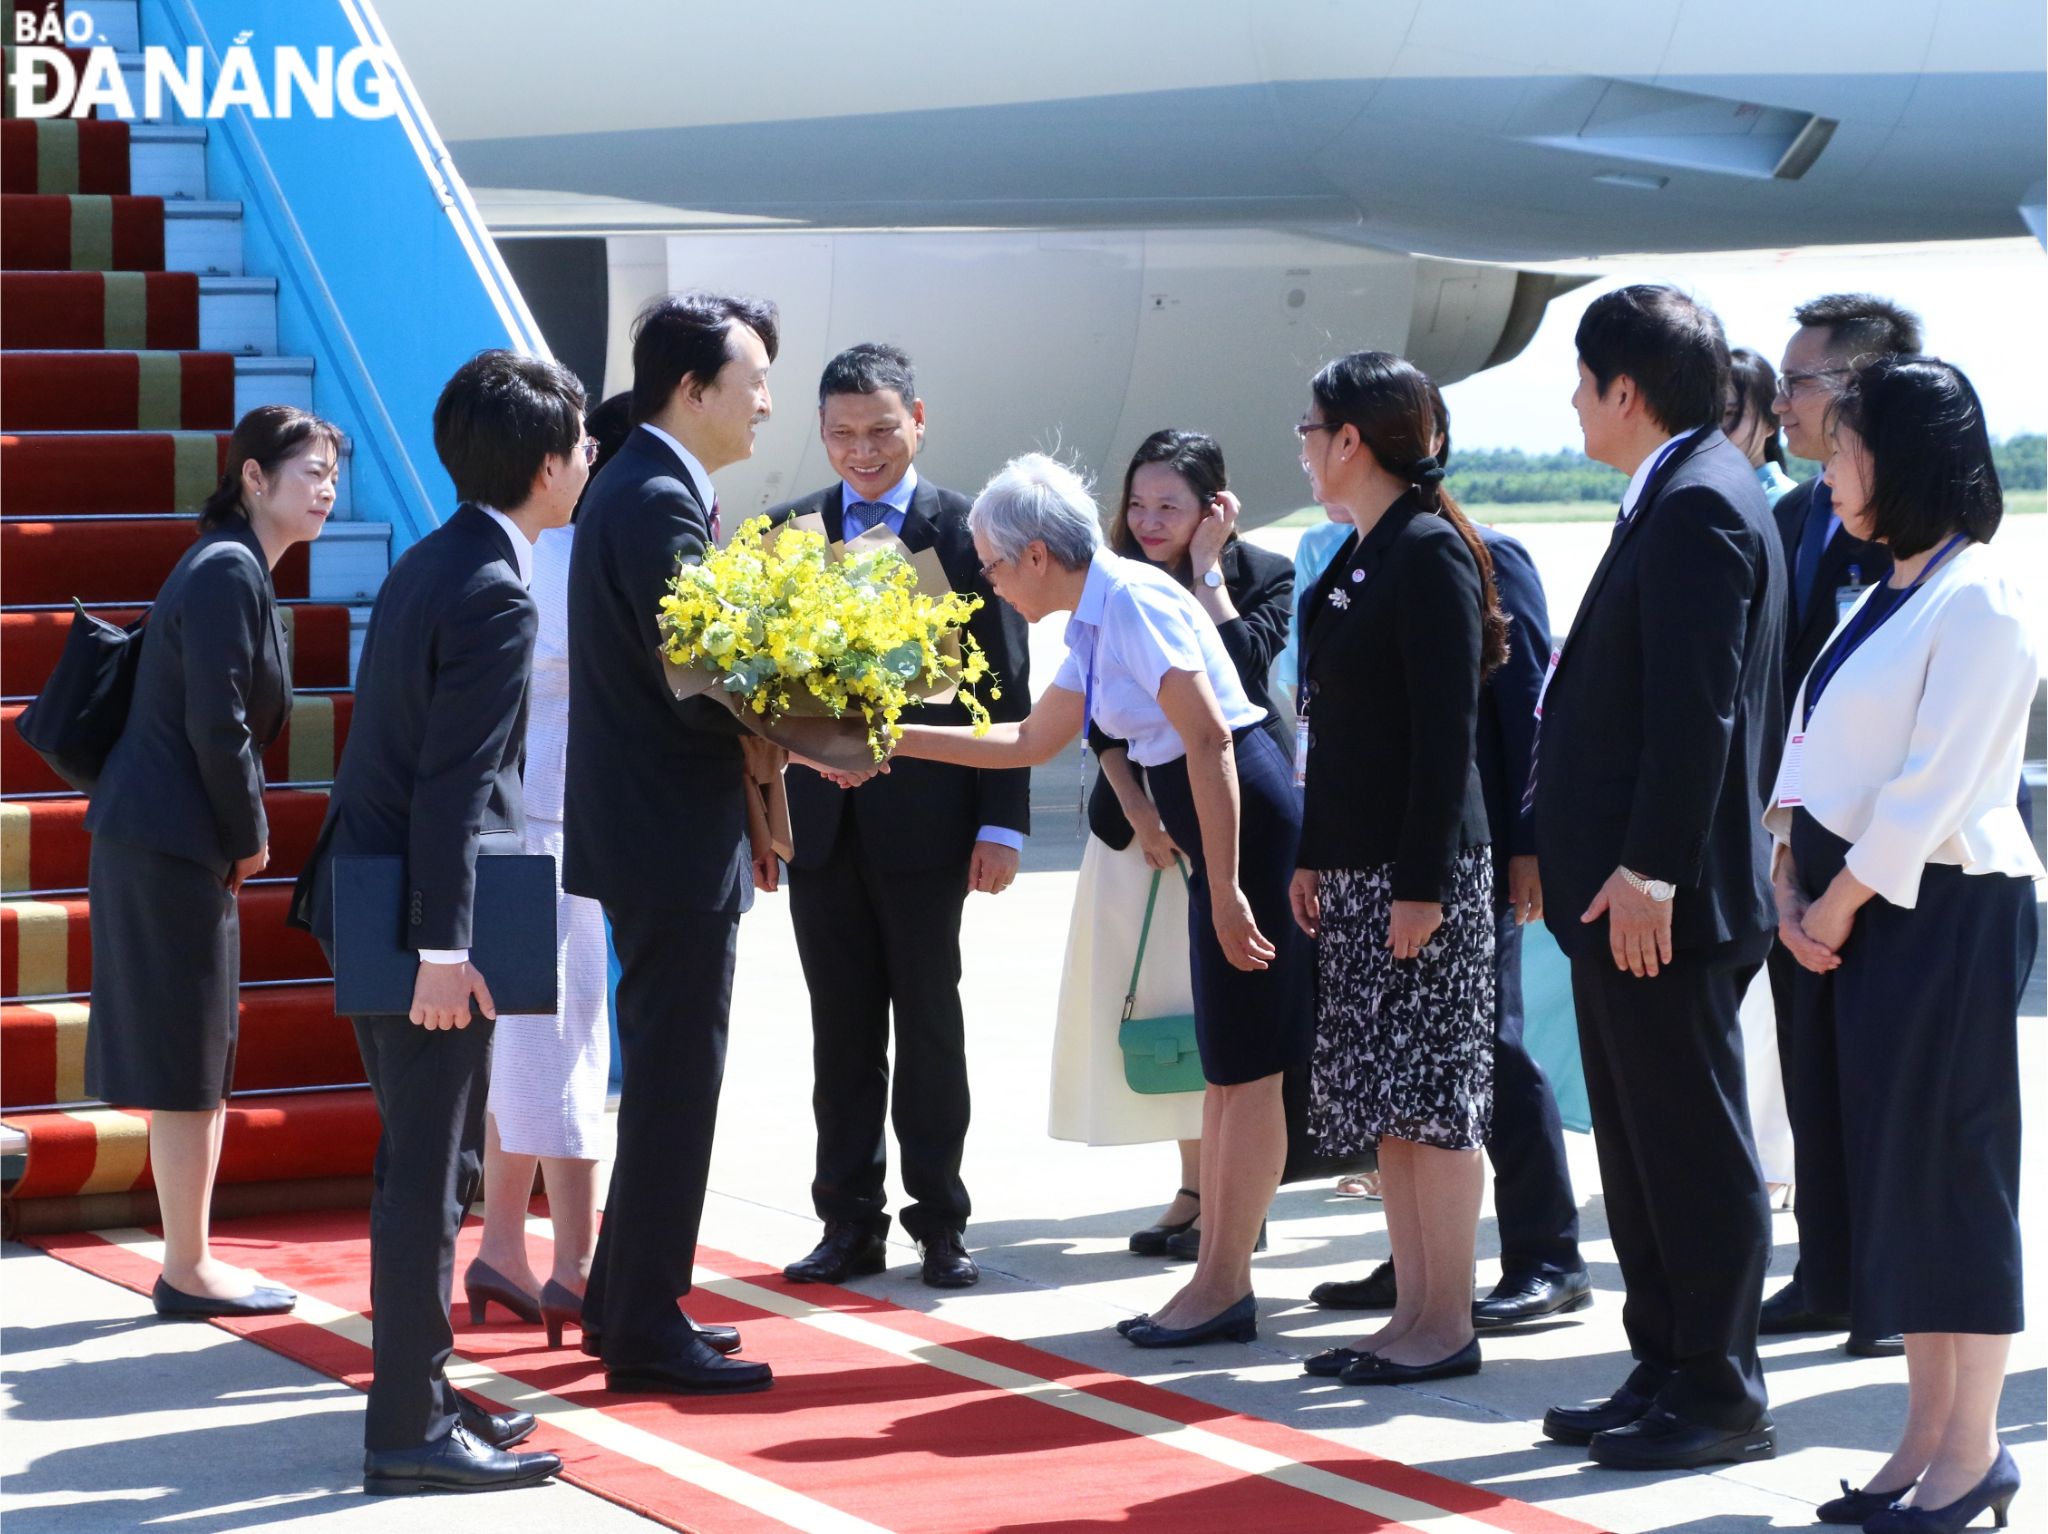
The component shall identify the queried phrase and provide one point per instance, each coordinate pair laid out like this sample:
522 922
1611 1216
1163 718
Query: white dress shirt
1913 754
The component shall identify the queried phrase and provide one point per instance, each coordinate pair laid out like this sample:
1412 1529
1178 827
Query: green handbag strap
1144 934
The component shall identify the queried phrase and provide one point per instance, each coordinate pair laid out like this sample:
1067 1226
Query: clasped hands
1813 931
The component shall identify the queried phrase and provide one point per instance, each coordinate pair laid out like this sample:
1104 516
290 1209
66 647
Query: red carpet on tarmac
881 1419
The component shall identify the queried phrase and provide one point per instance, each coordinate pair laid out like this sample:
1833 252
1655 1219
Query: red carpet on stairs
307 752
46 945
116 391
154 310
40 233
58 155
111 560
44 846
869 1399
91 474
30 643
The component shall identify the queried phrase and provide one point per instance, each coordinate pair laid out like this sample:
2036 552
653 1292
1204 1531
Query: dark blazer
653 804
1664 718
1507 702
923 815
438 735
212 691
1807 636
1261 587
1390 675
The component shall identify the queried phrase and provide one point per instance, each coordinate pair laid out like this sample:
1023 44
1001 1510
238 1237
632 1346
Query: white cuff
1002 836
444 956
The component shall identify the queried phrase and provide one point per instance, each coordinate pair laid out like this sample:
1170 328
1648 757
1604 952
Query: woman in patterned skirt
1395 875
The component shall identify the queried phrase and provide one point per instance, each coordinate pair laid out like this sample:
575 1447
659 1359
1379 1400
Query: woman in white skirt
549 1074
1177 513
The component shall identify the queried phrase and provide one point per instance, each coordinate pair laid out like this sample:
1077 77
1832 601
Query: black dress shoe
696 1368
1787 1313
1375 1291
946 1263
726 1339
459 1462
500 1430
1375 1370
177 1305
1893 1346
848 1248
1578 1424
1151 1241
1663 1440
1532 1296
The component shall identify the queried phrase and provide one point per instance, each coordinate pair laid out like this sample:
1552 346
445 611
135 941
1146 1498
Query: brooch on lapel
1340 598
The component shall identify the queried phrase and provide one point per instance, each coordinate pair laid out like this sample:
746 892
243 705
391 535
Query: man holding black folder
432 766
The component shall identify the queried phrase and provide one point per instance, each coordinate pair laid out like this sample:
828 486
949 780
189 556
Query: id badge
1549 672
1846 598
1789 771
1300 750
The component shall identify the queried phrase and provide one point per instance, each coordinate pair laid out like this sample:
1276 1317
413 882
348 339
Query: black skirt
1249 1024
166 976
1926 1020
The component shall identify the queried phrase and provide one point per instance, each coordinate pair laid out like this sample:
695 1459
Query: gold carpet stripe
57 156
92 234
311 746
593 1426
14 828
42 936
125 311
69 1017
123 1149
198 464
159 391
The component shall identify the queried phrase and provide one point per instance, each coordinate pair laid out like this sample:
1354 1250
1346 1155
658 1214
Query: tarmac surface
115 1421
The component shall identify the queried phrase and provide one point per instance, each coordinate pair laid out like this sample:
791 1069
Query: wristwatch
1213 577
1657 889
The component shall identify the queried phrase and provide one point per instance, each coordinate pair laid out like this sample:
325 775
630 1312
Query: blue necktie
862 515
1813 541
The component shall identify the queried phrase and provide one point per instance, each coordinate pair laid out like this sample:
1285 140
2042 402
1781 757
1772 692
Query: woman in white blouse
1146 664
1904 877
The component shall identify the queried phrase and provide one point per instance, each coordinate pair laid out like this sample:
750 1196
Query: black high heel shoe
559 1307
1995 1491
482 1283
1858 1507
1151 1241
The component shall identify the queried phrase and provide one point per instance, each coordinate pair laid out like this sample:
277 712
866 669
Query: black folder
512 927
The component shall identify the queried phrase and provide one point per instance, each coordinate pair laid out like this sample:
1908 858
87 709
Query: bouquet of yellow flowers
782 627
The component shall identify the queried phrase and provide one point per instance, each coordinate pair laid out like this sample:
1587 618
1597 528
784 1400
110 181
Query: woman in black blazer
177 822
1177 512
1396 875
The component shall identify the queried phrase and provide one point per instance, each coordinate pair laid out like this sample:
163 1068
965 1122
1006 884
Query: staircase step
154 311
279 1137
62 156
49 475
102 234
168 160
46 945
120 390
318 635
289 1037
307 752
203 237
44 846
109 559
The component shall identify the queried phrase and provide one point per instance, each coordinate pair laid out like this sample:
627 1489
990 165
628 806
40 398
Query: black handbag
81 711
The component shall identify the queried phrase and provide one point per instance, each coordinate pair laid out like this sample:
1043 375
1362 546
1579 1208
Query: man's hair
869 368
689 335
1861 325
499 419
1930 464
1670 345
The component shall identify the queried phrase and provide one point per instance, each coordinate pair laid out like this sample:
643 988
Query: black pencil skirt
166 976
1925 1012
1248 1023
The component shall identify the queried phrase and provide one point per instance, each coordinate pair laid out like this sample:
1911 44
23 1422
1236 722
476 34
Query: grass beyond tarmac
2018 503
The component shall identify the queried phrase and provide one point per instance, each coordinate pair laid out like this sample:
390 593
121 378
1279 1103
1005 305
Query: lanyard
1867 620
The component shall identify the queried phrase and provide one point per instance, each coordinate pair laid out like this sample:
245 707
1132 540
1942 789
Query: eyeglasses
1303 428
988 571
1790 384
588 447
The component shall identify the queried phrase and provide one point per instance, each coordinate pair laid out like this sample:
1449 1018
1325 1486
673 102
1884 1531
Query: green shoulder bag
1160 1054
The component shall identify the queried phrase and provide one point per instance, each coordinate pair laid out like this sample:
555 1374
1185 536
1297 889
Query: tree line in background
1510 477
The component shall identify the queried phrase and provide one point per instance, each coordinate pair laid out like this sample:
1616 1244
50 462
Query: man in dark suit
432 766
1829 568
654 827
1661 725
880 872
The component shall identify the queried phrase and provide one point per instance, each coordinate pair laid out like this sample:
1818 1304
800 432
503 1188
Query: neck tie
1813 541
862 515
